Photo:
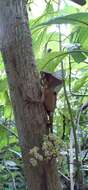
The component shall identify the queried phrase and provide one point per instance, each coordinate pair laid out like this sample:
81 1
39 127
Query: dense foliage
60 42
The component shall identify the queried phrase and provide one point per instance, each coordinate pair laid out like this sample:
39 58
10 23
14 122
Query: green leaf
47 14
80 36
50 61
78 56
69 9
3 84
79 19
3 137
38 39
79 84
18 154
7 108
49 9
1 62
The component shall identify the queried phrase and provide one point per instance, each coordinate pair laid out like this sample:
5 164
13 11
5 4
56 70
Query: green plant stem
70 113
69 108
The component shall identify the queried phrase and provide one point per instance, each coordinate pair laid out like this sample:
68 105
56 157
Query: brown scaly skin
48 95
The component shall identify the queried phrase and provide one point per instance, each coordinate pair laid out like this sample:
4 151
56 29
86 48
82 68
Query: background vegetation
60 42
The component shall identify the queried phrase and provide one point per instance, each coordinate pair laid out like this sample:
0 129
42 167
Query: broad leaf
79 19
51 61
81 36
80 83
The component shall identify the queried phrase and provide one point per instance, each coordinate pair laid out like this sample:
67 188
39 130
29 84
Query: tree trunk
23 79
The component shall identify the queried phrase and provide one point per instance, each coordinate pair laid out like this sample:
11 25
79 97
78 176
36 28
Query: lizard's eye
55 93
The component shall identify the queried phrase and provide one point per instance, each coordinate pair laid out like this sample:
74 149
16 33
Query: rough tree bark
24 87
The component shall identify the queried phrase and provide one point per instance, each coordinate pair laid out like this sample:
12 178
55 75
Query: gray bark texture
24 84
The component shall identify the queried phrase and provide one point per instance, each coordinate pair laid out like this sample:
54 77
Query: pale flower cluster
50 150
50 146
35 156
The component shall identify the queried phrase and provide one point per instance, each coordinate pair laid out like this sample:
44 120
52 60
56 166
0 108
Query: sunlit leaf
79 19
8 107
80 83
81 36
51 60
3 84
